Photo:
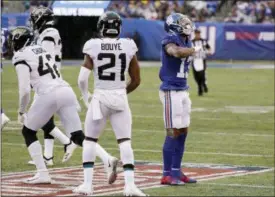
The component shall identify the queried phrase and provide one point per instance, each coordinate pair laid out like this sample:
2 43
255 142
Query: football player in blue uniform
176 57
4 38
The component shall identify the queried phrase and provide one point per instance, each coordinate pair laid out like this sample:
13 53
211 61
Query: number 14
182 73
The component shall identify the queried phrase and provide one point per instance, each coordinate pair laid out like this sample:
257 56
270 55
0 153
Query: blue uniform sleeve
169 39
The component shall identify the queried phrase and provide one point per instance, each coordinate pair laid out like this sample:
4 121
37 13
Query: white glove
21 118
197 48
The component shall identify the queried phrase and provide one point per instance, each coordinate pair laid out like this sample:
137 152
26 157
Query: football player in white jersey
36 67
109 57
42 21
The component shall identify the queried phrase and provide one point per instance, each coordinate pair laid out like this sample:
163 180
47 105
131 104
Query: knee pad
29 136
47 128
78 137
126 153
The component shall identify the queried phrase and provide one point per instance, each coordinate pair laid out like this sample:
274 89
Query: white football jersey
44 75
52 34
111 58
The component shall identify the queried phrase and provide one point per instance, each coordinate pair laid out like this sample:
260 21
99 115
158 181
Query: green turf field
233 124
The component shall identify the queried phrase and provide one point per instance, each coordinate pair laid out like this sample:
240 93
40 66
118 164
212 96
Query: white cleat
111 170
85 189
133 191
39 178
48 162
68 149
5 120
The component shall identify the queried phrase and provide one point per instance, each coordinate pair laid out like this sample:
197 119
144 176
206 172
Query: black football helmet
20 37
40 17
109 24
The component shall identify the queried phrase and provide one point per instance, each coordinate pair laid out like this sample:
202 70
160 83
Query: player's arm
83 78
134 73
23 75
180 52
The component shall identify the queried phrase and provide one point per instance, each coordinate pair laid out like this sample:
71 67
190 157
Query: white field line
159 151
13 125
240 185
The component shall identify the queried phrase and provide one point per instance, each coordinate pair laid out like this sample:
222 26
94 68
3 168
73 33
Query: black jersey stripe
48 38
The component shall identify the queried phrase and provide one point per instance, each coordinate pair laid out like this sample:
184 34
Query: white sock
126 152
48 148
102 154
35 151
129 177
127 157
60 136
88 156
88 175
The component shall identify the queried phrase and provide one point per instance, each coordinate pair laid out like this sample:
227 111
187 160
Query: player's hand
86 100
197 48
21 118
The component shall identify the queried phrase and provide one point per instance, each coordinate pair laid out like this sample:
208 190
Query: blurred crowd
239 11
252 12
245 11
158 9
30 4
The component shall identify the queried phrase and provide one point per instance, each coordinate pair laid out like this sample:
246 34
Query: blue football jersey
174 71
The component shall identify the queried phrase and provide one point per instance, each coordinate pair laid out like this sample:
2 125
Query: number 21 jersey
174 71
111 58
44 75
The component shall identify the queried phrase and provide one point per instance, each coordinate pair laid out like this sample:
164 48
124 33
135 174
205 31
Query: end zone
147 176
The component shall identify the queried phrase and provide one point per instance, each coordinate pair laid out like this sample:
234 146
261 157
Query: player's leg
93 129
48 141
123 134
181 109
51 132
4 119
200 83
204 81
169 142
39 113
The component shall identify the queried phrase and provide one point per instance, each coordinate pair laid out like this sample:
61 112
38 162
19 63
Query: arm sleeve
83 82
23 75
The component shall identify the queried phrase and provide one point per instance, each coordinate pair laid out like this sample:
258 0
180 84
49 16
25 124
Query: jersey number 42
111 76
44 61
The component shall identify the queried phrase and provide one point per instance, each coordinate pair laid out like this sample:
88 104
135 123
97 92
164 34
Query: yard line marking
236 175
162 131
240 185
159 151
